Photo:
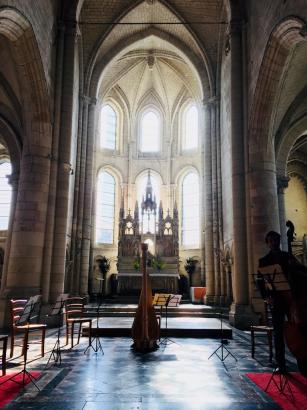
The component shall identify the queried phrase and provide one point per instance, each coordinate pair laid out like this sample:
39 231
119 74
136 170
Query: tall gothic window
5 194
190 211
190 128
108 127
145 187
150 132
105 208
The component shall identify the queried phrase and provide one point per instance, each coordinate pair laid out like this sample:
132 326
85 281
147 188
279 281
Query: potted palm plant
190 267
104 265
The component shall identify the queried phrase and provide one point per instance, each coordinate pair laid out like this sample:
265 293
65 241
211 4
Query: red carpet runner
10 389
298 385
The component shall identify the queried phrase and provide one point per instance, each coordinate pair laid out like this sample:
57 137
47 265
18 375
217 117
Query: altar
131 282
148 224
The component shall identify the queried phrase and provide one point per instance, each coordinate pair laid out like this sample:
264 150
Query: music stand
281 384
166 301
31 310
98 345
222 346
57 311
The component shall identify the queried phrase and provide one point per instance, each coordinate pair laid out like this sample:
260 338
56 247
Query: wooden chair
3 339
266 329
17 307
74 309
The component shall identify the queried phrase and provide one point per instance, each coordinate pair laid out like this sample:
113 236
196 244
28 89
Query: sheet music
160 299
274 277
174 301
31 310
59 304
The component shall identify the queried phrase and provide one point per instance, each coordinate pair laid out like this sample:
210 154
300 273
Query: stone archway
23 274
262 167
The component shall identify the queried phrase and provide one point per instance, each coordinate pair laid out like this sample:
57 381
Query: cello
295 329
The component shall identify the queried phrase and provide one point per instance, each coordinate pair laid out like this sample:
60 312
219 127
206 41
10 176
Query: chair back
74 307
25 311
17 306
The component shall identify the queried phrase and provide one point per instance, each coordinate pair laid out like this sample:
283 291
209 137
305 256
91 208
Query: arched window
108 121
148 185
190 128
5 194
190 211
150 132
105 208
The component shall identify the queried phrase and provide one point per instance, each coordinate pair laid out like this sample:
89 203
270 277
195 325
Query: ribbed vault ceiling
151 66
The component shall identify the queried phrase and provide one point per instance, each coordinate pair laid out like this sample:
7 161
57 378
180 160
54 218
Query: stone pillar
64 167
240 308
13 180
215 216
47 260
24 267
282 183
88 199
75 279
209 259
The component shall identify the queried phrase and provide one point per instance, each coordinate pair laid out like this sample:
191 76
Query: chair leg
67 333
270 340
253 342
4 357
43 341
72 334
79 332
12 343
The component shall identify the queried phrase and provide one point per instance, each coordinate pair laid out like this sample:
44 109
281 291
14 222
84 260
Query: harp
145 328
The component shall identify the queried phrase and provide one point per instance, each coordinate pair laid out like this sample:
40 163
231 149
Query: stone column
209 259
24 267
13 180
47 261
88 199
240 308
282 184
75 280
64 167
215 216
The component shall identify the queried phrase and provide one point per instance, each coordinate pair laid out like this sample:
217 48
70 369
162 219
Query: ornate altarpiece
148 224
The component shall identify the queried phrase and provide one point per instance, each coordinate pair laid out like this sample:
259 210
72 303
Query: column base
210 300
242 316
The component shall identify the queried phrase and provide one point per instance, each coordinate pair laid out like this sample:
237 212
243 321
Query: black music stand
282 383
97 346
57 311
166 301
222 346
31 310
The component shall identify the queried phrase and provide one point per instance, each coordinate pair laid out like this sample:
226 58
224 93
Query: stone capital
282 183
211 102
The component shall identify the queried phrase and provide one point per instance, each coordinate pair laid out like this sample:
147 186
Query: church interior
149 140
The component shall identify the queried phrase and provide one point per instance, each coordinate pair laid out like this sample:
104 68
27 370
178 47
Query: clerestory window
190 128
108 127
150 132
105 208
190 222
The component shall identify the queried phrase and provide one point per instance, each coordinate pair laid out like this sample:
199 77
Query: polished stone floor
178 376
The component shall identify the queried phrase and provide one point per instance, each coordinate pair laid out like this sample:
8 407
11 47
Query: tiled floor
178 376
